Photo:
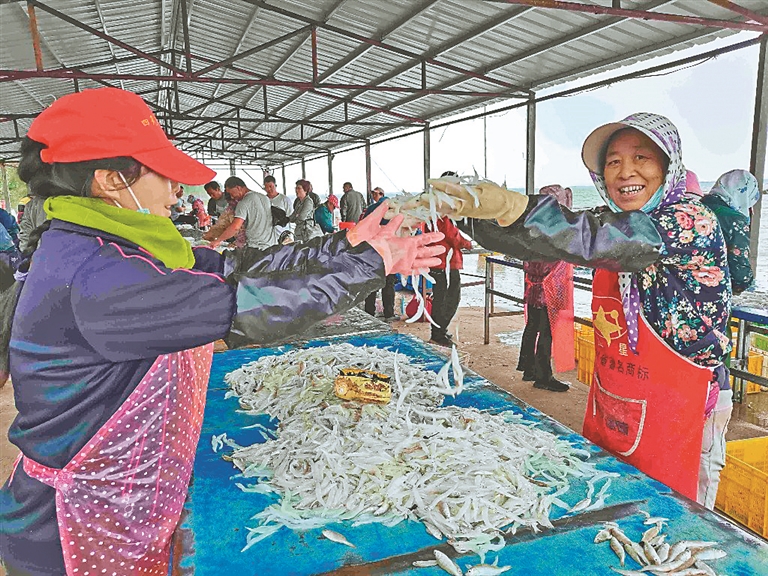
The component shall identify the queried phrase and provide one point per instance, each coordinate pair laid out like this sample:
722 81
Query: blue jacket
96 311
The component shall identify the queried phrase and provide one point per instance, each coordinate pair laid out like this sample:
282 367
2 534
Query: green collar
156 234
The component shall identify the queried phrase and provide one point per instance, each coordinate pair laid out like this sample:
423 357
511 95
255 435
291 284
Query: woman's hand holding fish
485 200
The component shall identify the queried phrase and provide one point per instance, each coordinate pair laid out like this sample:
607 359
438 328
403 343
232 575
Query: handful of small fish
466 474
654 555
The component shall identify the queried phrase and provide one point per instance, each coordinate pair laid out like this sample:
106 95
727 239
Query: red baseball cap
109 122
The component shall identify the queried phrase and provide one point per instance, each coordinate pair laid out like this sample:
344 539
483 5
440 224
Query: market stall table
750 309
213 528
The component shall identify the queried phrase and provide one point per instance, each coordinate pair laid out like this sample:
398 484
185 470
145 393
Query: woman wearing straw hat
110 344
660 397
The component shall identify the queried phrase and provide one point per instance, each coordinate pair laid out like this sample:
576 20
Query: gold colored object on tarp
363 386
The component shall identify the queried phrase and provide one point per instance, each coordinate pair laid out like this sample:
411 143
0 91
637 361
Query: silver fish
628 572
676 564
663 552
637 554
658 540
432 530
424 563
710 554
651 533
486 570
655 520
620 536
447 564
618 549
705 568
651 553
603 535
338 538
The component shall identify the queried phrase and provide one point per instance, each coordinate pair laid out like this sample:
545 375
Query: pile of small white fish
654 555
466 474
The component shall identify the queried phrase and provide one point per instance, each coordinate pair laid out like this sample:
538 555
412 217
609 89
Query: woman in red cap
110 344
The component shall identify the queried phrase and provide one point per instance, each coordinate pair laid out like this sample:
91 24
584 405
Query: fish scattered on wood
654 555
486 570
447 564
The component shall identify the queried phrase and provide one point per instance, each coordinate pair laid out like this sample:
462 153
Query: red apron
646 408
119 499
558 292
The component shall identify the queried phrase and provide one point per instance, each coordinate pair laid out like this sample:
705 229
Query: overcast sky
711 103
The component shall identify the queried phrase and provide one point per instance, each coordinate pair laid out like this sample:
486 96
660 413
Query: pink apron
558 292
119 499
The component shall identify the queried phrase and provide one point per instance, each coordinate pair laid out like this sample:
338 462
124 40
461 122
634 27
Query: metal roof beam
499 20
111 47
107 37
601 83
626 56
376 43
235 140
417 10
363 48
748 14
294 49
577 35
72 73
251 51
638 14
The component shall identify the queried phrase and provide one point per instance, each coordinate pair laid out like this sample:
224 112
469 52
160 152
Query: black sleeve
547 231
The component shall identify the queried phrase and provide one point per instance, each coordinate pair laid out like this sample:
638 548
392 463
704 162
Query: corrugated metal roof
370 58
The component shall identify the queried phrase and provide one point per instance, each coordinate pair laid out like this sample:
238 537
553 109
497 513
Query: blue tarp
217 512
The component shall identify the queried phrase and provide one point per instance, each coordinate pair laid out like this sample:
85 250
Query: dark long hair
70 178
44 181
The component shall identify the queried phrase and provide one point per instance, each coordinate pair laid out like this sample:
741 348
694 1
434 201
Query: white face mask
140 210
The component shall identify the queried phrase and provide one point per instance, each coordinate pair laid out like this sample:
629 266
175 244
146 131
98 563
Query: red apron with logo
646 408
119 499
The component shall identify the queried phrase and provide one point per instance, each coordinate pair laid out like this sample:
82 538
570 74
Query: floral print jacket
686 295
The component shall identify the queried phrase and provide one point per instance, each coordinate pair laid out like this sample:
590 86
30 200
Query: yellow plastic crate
743 491
755 361
586 356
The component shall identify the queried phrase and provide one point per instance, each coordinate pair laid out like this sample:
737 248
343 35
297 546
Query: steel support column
530 148
303 169
285 188
368 170
427 155
6 195
330 173
232 167
757 156
34 30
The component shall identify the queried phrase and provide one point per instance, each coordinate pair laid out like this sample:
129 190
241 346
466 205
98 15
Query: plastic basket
743 491
585 356
755 362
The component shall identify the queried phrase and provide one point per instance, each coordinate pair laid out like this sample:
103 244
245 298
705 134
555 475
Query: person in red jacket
446 292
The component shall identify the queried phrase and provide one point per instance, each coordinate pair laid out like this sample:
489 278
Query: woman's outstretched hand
401 255
493 202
